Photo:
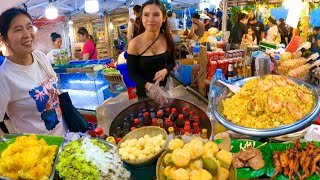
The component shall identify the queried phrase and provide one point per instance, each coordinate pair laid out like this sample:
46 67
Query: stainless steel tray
271 132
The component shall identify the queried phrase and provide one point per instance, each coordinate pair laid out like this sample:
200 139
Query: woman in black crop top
151 54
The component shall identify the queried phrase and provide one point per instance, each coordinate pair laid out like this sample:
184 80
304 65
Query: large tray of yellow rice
267 106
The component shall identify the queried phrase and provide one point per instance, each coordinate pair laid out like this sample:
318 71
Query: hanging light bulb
91 6
51 11
203 5
70 22
215 2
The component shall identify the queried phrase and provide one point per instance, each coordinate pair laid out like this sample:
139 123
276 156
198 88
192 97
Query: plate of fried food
267 106
297 160
28 156
250 158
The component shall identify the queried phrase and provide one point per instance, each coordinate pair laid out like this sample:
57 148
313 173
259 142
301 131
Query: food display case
86 85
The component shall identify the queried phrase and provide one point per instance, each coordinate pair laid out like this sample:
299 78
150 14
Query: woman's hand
160 75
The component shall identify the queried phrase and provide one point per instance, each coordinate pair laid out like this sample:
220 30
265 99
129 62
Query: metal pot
149 103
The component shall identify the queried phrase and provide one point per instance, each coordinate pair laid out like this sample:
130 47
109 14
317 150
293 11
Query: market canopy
71 8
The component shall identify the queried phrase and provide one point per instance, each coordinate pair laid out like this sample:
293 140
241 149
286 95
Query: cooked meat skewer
314 164
284 159
296 163
276 163
305 167
291 163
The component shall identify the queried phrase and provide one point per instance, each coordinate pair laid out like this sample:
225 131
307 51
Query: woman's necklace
154 49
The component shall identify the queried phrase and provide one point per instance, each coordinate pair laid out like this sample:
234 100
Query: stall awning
248 2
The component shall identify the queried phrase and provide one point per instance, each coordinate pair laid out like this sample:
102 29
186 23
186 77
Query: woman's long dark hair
164 27
6 18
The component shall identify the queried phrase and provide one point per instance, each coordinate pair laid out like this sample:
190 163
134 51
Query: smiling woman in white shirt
28 95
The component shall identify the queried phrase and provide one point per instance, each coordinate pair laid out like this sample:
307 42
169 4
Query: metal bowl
270 132
149 103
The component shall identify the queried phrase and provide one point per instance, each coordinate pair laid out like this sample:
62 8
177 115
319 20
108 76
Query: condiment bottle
111 139
230 74
144 110
159 114
126 126
196 129
179 124
161 109
160 123
171 135
137 123
146 120
154 122
167 124
118 140
140 118
187 129
185 113
99 133
191 117
197 119
167 114
118 132
174 115
204 133
152 114
131 119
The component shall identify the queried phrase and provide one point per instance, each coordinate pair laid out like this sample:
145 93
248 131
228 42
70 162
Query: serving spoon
233 88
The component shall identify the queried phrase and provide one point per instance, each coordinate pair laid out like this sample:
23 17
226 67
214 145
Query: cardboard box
183 70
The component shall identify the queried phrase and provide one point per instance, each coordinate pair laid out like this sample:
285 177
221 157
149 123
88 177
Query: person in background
239 31
283 31
1 57
229 24
197 28
312 38
57 42
137 22
251 37
316 46
273 29
28 94
257 27
219 15
175 16
207 20
172 23
151 53
89 50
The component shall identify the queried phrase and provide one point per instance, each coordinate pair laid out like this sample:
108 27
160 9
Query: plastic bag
159 94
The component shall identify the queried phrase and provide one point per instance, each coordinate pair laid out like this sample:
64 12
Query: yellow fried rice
236 108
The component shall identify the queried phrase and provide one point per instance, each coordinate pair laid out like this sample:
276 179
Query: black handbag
74 120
